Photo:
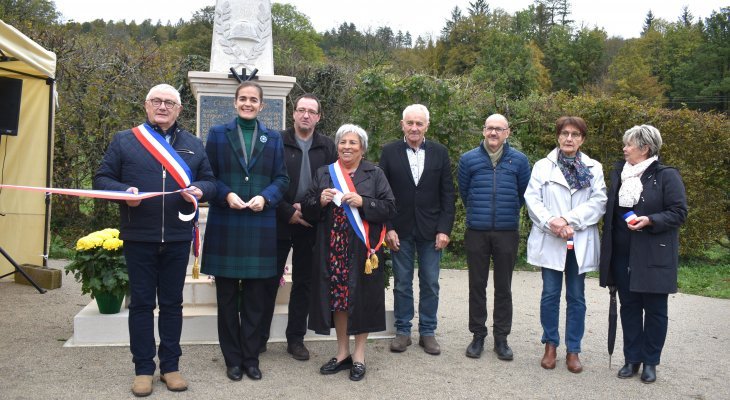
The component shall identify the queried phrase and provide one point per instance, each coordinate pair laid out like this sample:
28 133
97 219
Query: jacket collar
589 162
289 137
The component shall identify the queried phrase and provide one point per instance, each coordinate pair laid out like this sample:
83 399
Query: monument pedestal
215 92
199 315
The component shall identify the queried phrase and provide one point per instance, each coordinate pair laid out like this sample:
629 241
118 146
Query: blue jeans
156 276
552 285
428 284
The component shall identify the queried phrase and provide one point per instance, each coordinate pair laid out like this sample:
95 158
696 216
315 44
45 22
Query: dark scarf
574 171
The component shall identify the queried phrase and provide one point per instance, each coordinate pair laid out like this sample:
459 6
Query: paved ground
695 364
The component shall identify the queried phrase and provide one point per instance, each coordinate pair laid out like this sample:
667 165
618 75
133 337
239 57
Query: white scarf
631 187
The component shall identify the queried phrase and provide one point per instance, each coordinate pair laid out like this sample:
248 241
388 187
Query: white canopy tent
27 159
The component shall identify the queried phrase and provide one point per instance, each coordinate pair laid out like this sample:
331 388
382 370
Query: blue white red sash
164 153
343 183
103 194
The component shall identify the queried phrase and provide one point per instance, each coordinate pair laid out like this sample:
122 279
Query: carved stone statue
242 36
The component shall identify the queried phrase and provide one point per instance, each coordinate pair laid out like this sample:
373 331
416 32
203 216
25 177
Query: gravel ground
35 365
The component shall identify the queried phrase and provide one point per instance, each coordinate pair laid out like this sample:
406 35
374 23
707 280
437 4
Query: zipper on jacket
164 176
494 197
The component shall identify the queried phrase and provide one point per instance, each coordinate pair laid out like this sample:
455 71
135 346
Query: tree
648 23
196 37
630 76
455 18
295 39
29 16
478 7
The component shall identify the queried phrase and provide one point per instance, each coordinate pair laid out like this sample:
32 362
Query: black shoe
502 349
333 367
475 347
357 372
234 373
298 351
628 370
648 375
253 373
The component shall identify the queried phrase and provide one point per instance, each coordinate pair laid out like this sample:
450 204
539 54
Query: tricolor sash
102 194
343 183
163 152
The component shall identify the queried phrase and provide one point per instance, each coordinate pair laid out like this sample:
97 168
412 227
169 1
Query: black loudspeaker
10 91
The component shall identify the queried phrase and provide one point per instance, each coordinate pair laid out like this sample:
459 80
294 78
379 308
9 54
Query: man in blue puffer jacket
492 182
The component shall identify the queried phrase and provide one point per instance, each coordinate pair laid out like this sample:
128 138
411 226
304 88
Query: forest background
532 66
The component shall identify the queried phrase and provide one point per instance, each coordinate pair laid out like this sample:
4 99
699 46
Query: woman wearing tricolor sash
240 236
352 200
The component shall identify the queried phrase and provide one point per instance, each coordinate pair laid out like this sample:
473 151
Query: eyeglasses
497 130
573 134
158 102
306 111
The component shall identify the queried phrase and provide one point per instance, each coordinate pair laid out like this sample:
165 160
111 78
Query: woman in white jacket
566 197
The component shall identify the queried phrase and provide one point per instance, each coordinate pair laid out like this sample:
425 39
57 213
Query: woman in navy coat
639 254
240 236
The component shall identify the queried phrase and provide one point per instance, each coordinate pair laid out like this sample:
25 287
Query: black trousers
302 243
240 314
644 319
500 247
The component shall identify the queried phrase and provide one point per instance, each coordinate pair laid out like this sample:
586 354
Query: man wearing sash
157 156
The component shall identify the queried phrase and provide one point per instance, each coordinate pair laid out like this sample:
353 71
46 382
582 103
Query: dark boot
628 370
648 375
503 350
475 347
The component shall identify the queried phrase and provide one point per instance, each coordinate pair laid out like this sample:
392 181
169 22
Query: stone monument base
215 92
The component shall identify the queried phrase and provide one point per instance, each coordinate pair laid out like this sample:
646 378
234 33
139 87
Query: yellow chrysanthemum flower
112 244
84 244
111 231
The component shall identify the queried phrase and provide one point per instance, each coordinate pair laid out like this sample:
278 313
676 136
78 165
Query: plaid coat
241 243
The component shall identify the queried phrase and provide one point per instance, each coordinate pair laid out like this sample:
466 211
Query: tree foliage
533 66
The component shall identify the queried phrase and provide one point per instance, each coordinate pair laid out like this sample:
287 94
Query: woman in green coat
248 162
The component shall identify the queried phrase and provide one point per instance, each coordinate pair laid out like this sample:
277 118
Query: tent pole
49 157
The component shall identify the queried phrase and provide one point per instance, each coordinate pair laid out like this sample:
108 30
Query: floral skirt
338 262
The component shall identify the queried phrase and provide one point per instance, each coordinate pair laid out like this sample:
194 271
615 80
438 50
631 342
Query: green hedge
694 142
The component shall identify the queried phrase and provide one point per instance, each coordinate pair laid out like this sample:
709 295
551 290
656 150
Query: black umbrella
611 323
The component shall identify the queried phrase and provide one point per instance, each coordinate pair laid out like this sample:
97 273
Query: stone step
199 327
201 291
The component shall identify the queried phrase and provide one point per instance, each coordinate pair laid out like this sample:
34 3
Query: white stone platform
199 320
92 328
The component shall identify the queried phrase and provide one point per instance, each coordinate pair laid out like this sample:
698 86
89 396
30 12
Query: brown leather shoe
174 381
400 343
142 385
573 362
430 345
548 360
